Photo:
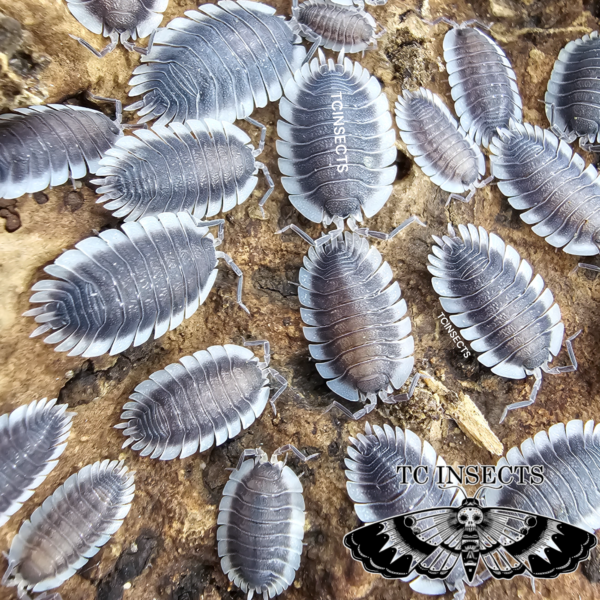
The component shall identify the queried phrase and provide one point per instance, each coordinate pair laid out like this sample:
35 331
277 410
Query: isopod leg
365 231
263 135
439 20
359 414
214 223
464 199
266 346
240 275
537 373
270 183
114 40
291 448
313 49
585 266
247 453
133 47
118 105
411 390
567 368
475 22
283 386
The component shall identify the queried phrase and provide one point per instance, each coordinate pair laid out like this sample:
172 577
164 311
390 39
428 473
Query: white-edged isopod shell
32 437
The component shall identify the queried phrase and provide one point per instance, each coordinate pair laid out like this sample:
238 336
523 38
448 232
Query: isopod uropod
492 297
202 400
261 523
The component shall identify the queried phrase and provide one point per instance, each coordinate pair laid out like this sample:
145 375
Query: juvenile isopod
539 173
445 153
69 528
43 146
572 101
202 400
218 62
122 20
116 288
202 167
261 519
32 437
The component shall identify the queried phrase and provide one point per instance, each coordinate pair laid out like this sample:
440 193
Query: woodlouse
572 105
204 399
32 437
261 518
539 173
118 20
69 528
118 287
334 25
506 315
219 62
43 146
570 491
202 167
445 153
483 82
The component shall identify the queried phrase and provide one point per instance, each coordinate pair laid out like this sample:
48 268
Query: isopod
116 288
572 105
334 25
32 437
378 492
69 528
118 20
261 519
570 491
219 63
445 153
507 314
43 146
539 173
202 167
483 82
204 399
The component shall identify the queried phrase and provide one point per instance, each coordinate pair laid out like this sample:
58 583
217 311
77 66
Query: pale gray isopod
570 457
43 146
572 101
539 173
116 288
202 167
219 63
445 153
118 20
378 492
32 437
484 85
69 528
202 400
261 518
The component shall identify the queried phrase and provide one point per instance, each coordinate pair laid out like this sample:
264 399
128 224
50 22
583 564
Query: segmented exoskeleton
570 490
43 146
219 63
202 400
483 82
496 302
32 437
116 288
202 167
261 518
118 20
540 173
445 153
572 98
376 487
69 528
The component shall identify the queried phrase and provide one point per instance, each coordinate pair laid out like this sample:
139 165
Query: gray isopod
218 63
445 153
376 488
484 85
69 528
570 456
116 288
261 518
32 437
509 317
540 174
202 167
335 25
43 146
118 20
572 104
204 399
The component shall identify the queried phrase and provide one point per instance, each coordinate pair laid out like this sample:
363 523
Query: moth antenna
449 487
485 487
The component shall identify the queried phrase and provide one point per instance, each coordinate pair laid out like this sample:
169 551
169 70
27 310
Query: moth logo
509 542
